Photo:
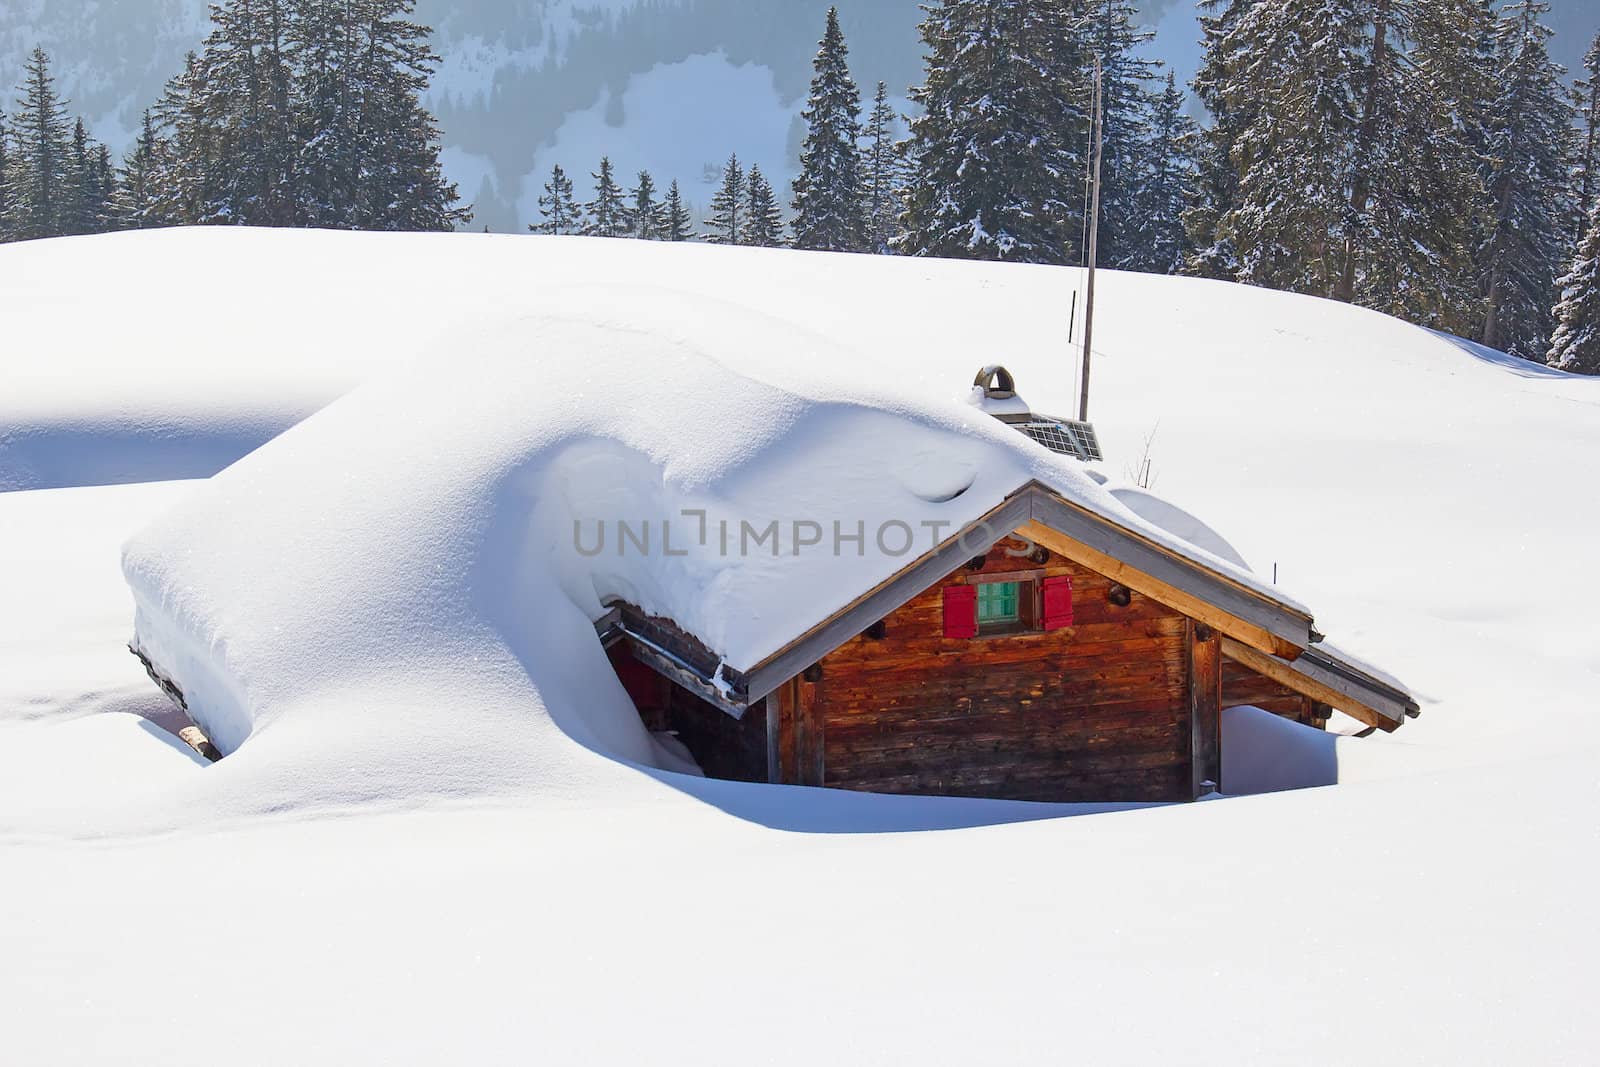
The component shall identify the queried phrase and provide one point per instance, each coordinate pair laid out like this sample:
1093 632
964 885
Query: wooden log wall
1205 707
1241 685
724 747
1097 711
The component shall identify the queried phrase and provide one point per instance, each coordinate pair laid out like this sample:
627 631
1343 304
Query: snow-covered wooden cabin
1046 651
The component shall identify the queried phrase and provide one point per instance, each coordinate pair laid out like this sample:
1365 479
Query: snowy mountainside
1180 362
672 86
425 866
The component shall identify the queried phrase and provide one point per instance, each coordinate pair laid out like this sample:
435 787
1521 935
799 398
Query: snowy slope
1432 907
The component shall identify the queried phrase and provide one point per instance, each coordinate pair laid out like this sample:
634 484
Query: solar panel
1067 437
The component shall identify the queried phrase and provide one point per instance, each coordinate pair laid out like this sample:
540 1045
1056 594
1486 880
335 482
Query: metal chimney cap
996 382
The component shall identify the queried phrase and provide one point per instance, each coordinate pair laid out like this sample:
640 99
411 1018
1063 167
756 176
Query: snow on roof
474 513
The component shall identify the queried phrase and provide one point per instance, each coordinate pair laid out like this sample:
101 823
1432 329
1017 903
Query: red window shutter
960 611
1057 603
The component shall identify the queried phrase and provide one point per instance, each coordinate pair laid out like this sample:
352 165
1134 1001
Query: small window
999 604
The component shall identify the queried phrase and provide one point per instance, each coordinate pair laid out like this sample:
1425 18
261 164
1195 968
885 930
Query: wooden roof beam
1364 703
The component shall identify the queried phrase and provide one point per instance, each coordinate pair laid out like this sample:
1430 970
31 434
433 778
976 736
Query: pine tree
1530 129
827 191
1213 254
647 213
1160 241
144 174
1413 178
5 163
1301 61
1576 344
235 142
402 180
1586 171
84 202
562 215
307 113
365 126
608 211
1127 104
323 51
997 157
37 178
764 219
883 176
677 224
727 206
105 188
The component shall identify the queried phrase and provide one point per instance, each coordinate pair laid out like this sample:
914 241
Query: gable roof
1084 536
1248 616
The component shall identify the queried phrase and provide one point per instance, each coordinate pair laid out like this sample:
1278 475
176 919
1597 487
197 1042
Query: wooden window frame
1030 609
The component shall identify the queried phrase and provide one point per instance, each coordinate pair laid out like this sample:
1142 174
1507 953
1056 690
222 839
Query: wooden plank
1205 709
876 603
677 673
788 742
1145 565
812 739
1029 715
769 706
1306 678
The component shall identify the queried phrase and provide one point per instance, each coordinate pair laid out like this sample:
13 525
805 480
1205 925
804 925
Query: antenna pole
1094 243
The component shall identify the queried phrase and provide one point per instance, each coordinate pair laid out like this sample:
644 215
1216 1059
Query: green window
999 603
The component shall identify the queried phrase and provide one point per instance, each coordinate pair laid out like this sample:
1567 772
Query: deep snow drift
441 542
1425 498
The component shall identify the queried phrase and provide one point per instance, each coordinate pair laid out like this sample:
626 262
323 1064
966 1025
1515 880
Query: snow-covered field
407 871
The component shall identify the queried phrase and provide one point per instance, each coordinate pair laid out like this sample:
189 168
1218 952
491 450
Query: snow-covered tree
827 191
727 206
136 196
677 224
996 157
882 174
36 178
763 216
1586 170
403 183
1159 243
236 145
1341 161
1113 36
308 113
190 175
1212 254
85 204
647 213
1576 344
377 132
5 157
1530 130
1414 181
562 215
608 211
1300 61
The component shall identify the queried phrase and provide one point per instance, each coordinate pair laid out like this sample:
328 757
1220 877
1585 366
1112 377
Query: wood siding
724 747
1241 685
1096 711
